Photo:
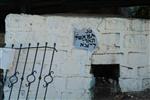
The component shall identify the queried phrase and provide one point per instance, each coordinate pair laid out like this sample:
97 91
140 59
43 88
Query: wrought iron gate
31 77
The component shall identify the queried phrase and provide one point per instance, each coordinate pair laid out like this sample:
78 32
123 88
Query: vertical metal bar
14 79
4 81
48 78
5 78
32 76
52 58
41 71
22 77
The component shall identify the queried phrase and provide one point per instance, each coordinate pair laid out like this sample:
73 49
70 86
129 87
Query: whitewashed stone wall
120 41
126 42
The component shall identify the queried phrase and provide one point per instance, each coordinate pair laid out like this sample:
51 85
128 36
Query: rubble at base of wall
142 95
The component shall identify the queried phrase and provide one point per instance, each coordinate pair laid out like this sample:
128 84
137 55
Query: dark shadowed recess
106 80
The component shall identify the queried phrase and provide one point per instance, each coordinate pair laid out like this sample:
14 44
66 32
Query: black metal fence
30 78
1 85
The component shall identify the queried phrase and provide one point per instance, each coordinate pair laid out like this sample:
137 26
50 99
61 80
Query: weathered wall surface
125 41
120 41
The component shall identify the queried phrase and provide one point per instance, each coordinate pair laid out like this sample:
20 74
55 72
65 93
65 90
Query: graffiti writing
85 39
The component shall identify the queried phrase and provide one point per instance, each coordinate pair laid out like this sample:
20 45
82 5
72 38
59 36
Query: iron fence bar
4 81
5 77
48 78
22 77
32 76
32 47
14 79
40 77
52 59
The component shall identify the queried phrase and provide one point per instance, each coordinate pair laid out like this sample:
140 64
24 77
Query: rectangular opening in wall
106 80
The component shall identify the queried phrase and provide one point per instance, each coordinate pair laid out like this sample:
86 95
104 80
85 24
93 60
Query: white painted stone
79 83
75 83
130 84
106 58
146 83
7 58
116 24
135 41
137 59
138 25
128 73
79 95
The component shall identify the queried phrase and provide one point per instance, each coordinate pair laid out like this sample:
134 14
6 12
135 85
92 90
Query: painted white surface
120 41
6 58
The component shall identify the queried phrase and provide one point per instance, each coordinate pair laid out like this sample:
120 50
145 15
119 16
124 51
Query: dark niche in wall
106 80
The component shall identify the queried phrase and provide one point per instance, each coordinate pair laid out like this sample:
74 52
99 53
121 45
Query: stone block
135 41
130 84
75 83
146 83
108 58
127 71
75 95
139 25
137 59
116 24
79 83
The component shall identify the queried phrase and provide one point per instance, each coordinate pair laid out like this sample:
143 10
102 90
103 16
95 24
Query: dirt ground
143 95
